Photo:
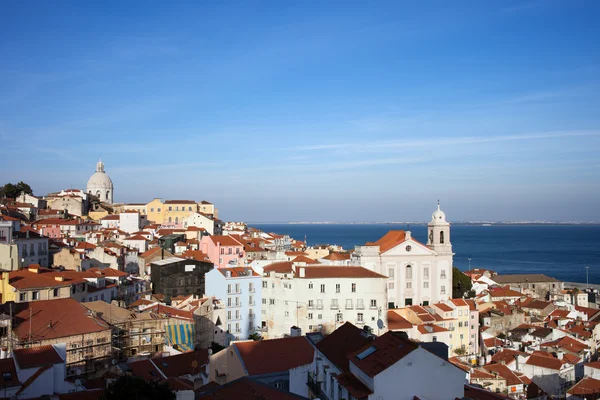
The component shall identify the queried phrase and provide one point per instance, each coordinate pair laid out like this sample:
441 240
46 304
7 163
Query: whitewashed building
239 291
320 298
417 274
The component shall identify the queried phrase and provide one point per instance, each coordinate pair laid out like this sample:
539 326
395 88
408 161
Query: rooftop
268 356
384 352
341 343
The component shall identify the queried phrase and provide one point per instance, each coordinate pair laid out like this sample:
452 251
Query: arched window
442 237
408 272
107 193
176 220
169 219
98 195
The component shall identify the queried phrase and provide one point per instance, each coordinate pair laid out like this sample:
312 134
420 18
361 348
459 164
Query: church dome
438 215
100 180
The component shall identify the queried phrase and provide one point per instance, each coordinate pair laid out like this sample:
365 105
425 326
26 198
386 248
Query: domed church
100 184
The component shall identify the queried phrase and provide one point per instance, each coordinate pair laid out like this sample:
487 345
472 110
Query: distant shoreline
483 223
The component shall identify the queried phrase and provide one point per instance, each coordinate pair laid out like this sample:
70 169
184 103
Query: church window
107 193
442 237
408 272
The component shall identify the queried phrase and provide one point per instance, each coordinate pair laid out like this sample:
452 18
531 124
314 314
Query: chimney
295 331
302 272
34 270
59 278
407 235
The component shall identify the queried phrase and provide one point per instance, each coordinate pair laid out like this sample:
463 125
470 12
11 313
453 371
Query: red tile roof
44 278
190 363
567 343
389 349
444 307
195 255
145 369
37 356
341 343
7 366
304 259
588 387
389 241
337 257
504 372
224 240
276 355
179 202
397 322
506 355
430 328
136 237
544 362
459 302
353 385
331 271
279 267
52 319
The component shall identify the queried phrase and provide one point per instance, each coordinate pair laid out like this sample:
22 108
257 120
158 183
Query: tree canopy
461 284
11 190
131 387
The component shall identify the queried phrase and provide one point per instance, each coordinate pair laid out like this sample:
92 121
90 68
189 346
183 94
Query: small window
35 295
337 287
322 288
56 292
354 288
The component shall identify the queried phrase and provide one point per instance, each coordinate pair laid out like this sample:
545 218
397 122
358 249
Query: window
426 273
390 272
170 220
251 287
337 287
334 304
159 209
409 285
373 303
229 288
176 208
348 304
229 250
339 317
472 316
222 249
322 288
287 313
320 304
426 285
23 297
251 300
170 208
460 313
56 292
265 284
408 272
310 285
35 295
320 316
229 302
237 327
189 208
272 301
443 274
408 302
359 317
359 304
442 237
390 285
311 304
151 209
264 301
237 288
443 289
310 316
237 314
354 288
460 324
229 315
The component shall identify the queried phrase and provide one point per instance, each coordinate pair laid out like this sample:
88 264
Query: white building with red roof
417 273
320 298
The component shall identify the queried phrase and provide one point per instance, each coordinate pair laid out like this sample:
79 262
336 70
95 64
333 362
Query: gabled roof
238 272
155 250
304 259
136 237
443 307
7 366
53 319
332 271
279 267
276 355
505 372
36 356
587 387
384 352
179 202
341 343
397 322
567 343
506 355
353 385
389 241
190 363
224 240
544 362
522 278
337 257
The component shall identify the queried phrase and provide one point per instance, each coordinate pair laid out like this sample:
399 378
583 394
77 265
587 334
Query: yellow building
171 212
460 335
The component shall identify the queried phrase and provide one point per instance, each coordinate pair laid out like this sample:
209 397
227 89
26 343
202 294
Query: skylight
367 353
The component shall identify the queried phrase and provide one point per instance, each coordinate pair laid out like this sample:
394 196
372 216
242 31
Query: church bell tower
438 233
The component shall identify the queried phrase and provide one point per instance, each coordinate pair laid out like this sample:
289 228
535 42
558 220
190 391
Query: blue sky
280 111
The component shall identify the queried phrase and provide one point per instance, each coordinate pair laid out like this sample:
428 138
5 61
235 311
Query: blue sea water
560 251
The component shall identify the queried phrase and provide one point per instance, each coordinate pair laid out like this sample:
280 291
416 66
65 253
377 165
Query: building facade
417 274
100 185
178 276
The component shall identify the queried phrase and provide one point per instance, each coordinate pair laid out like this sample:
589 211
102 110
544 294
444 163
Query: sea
560 251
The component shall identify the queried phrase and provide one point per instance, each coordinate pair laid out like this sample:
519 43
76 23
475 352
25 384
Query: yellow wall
155 210
6 289
97 215
44 293
178 212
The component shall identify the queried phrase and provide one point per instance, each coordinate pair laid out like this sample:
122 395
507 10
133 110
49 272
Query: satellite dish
380 323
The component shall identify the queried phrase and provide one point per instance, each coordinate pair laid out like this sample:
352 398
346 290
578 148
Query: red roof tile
506 355
504 372
337 257
279 267
304 259
341 343
397 322
52 319
37 356
268 356
389 240
353 385
238 271
587 387
225 240
544 362
443 307
190 363
389 349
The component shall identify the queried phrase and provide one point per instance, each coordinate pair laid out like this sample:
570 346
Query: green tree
255 336
11 190
461 284
131 387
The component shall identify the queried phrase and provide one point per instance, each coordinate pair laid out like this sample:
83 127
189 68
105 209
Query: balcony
335 307
319 306
360 306
310 306
349 307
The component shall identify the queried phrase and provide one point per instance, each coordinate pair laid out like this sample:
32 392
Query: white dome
100 180
438 215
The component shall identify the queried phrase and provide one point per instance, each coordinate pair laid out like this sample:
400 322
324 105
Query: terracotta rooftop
195 255
341 343
544 362
53 319
443 307
43 278
9 373
353 385
279 267
507 356
304 259
330 271
238 272
179 202
588 388
36 356
397 322
225 240
522 278
430 328
504 372
337 257
382 353
389 241
276 355
190 363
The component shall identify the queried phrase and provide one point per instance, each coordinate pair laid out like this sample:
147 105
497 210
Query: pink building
223 251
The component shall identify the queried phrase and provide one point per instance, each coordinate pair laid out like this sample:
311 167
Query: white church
100 184
417 274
